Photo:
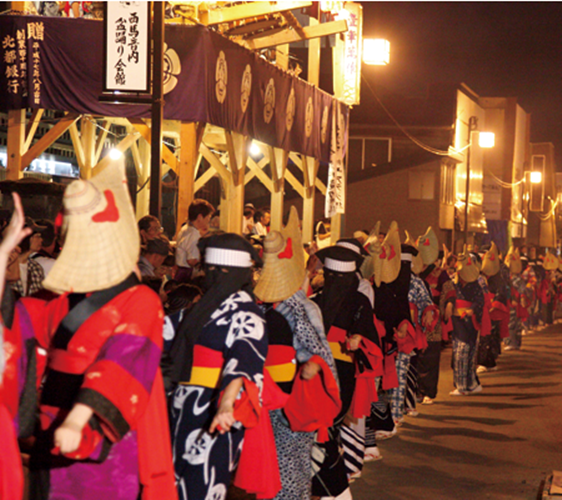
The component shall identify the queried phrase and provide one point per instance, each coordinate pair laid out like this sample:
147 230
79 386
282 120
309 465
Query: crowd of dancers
281 370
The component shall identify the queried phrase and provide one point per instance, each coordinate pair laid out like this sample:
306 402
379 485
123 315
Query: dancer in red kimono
103 429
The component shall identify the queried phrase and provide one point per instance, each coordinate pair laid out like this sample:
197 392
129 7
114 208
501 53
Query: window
368 152
377 152
421 185
447 184
355 155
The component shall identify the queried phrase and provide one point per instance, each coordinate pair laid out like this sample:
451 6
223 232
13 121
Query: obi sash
462 308
281 363
207 367
337 338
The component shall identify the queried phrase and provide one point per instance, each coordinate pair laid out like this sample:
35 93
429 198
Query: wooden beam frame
101 139
250 9
256 170
237 146
125 144
144 129
291 35
215 162
49 138
317 182
16 139
78 147
31 127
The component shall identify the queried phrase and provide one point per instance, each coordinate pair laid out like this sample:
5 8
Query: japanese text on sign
15 58
127 45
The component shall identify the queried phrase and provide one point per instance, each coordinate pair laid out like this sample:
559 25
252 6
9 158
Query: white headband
349 246
227 257
406 256
340 266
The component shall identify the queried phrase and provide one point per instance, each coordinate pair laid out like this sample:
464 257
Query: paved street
499 444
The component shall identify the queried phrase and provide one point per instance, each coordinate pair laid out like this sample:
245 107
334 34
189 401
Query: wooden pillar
282 56
237 147
278 163
88 139
310 169
189 154
16 139
314 58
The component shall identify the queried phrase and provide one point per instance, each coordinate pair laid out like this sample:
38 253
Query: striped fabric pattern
464 367
411 385
353 442
398 394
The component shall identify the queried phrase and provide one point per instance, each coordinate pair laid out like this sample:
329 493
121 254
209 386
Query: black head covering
347 242
408 249
338 285
342 254
221 281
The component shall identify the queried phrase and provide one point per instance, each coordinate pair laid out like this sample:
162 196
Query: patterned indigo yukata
465 336
295 323
111 365
204 463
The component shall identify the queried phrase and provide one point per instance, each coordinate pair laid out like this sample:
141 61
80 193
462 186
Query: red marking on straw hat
392 253
111 213
426 243
288 252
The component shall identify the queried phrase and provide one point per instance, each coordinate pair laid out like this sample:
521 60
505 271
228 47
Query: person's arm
224 418
13 234
69 435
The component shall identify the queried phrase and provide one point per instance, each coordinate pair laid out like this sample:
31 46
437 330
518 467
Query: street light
536 177
485 140
376 51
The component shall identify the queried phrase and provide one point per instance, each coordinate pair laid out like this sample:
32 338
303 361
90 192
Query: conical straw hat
417 261
387 258
428 246
102 243
550 262
513 261
491 261
368 266
283 262
467 269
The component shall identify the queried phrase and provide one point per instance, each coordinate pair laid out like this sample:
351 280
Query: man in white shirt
187 254
262 218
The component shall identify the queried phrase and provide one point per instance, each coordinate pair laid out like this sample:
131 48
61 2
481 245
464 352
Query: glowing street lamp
485 140
536 177
376 51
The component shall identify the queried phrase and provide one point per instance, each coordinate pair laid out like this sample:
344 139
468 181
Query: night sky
498 49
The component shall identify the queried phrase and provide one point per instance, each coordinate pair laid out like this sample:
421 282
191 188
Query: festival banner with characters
57 63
